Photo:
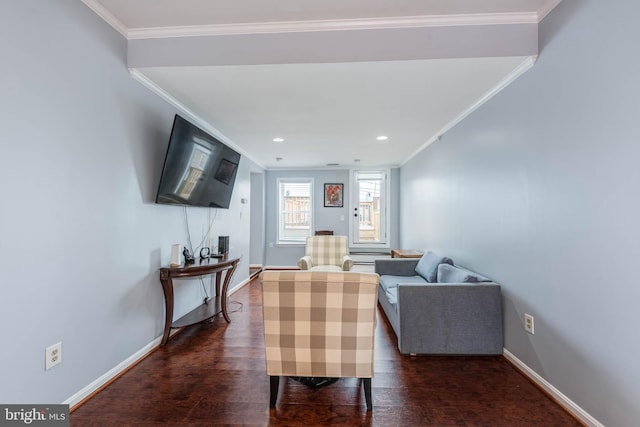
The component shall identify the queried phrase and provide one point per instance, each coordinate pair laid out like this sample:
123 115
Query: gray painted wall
257 219
81 239
324 218
538 189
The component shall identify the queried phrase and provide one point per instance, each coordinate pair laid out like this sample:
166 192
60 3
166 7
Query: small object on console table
205 253
188 258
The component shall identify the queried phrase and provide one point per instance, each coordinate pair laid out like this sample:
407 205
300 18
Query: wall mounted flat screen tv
198 169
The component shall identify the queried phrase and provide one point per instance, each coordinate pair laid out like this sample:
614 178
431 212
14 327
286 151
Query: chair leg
366 383
273 392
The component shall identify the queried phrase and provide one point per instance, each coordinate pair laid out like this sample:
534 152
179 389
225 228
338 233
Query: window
295 207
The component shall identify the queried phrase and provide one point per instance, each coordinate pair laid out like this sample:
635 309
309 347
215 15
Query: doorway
369 207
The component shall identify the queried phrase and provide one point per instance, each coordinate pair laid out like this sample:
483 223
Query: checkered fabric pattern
327 250
319 324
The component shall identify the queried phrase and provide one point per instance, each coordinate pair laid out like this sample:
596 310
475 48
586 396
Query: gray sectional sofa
435 307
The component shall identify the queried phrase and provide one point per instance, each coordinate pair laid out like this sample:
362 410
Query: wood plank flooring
214 374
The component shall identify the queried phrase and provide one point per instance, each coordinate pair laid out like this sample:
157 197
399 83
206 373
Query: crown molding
524 66
547 7
107 16
196 119
322 25
333 25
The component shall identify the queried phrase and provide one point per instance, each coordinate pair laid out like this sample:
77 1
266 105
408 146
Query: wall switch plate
529 325
53 356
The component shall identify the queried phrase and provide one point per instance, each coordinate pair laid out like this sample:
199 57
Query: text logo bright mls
37 415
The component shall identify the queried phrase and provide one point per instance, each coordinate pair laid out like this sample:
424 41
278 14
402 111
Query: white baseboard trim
112 373
127 363
239 286
555 394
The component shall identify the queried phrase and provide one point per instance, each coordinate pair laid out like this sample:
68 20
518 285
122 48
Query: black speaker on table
223 244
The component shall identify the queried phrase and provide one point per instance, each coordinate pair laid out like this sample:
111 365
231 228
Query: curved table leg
225 288
167 288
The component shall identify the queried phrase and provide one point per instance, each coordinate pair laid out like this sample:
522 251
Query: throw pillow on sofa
451 274
428 265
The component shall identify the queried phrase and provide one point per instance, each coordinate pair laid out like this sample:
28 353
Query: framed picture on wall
333 195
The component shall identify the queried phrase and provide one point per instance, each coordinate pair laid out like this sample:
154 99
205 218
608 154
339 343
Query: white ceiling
328 76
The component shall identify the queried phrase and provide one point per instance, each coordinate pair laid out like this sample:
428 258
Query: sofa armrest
453 318
396 266
305 263
347 263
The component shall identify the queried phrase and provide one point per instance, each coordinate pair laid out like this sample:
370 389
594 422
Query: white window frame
281 241
355 202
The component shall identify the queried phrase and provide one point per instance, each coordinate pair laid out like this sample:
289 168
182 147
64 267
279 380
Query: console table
405 253
218 304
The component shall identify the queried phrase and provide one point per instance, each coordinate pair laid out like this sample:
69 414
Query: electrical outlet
53 356
528 323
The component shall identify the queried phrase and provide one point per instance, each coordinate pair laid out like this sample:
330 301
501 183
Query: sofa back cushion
428 265
454 274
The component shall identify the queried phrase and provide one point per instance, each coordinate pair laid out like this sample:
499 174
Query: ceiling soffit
337 46
155 54
159 19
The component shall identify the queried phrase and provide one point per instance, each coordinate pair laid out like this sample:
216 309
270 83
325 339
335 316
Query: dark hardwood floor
214 373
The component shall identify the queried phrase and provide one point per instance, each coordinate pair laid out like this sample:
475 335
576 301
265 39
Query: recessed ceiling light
278 139
382 138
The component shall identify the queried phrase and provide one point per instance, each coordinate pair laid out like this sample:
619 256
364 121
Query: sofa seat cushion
326 268
389 285
389 281
454 274
428 265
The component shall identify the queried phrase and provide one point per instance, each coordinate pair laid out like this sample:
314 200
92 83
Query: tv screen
198 169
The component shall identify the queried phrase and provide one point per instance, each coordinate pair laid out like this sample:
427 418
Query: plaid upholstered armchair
319 324
326 253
